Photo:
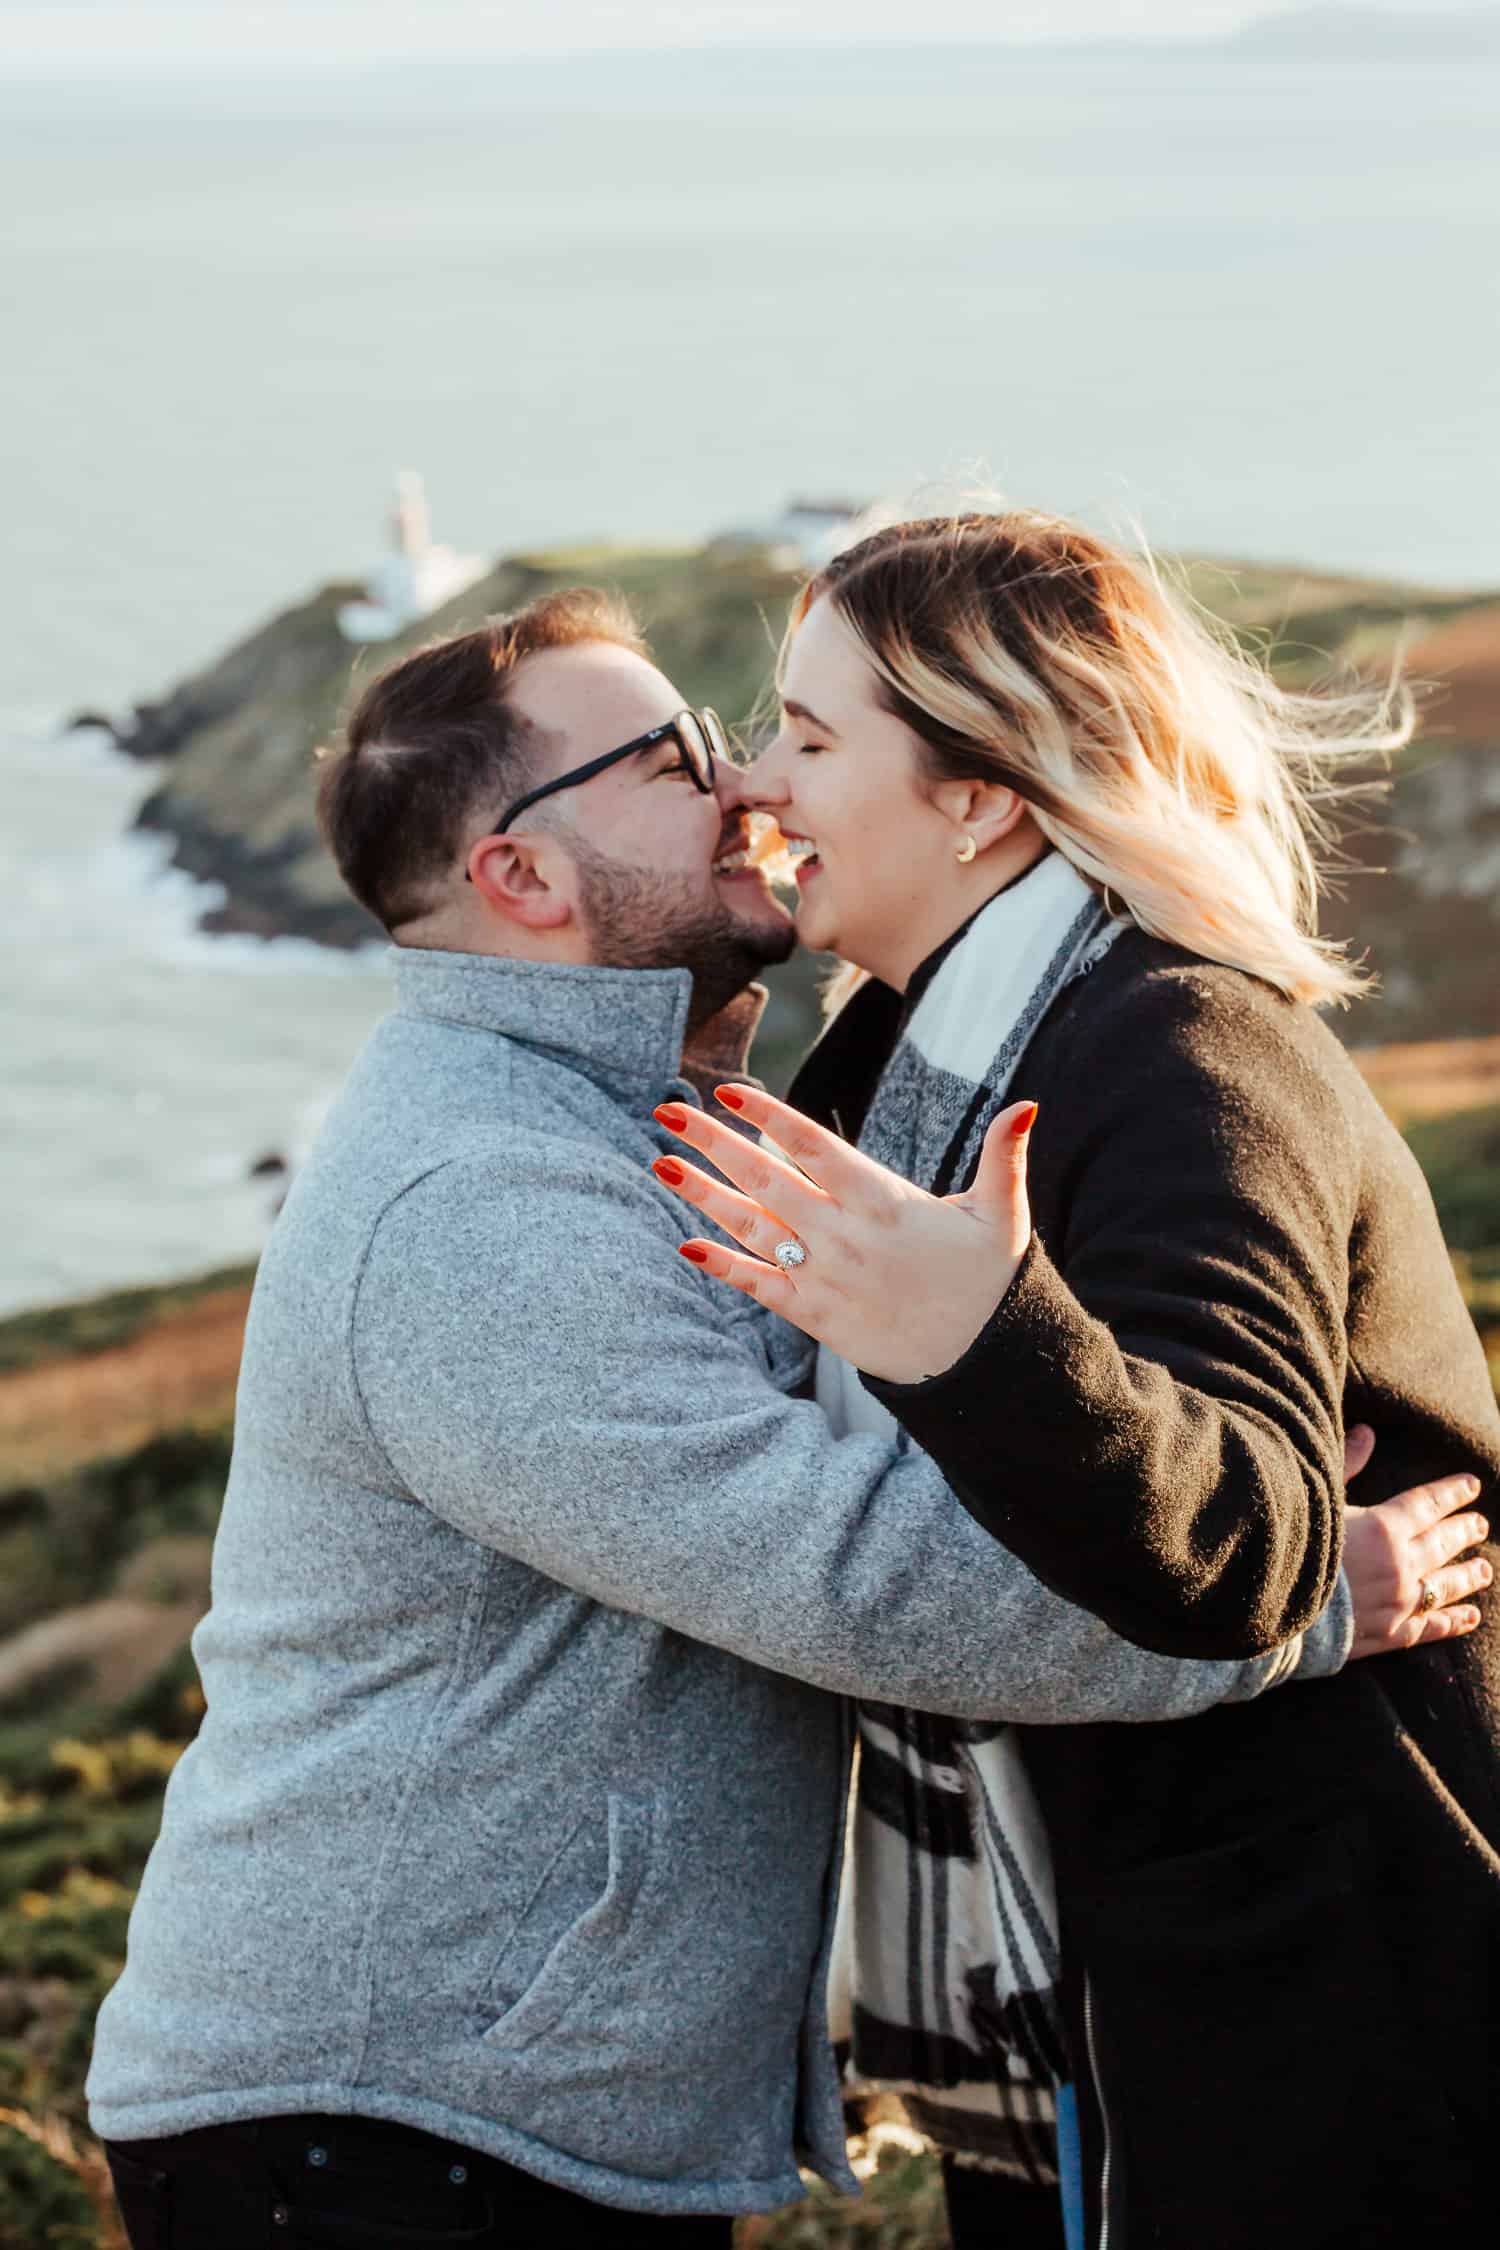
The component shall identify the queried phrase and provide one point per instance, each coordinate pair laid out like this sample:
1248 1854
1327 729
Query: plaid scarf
947 1964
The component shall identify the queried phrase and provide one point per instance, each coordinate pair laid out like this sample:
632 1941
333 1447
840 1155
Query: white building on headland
808 533
414 578
817 530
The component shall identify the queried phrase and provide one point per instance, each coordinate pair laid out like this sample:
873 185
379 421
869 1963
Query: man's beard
637 920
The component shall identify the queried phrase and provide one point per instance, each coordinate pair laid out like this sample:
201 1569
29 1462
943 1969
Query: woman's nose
747 788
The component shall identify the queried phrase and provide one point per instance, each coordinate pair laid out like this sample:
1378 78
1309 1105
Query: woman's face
845 784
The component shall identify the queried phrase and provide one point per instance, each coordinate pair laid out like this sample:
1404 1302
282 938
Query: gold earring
967 850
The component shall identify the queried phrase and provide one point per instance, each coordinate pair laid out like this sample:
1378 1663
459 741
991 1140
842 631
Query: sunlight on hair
1160 758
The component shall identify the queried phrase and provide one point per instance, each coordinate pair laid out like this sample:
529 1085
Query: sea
148 1069
1250 306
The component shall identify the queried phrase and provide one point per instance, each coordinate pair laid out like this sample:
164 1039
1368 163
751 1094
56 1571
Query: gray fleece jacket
516 1809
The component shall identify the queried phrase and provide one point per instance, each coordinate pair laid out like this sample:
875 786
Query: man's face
653 857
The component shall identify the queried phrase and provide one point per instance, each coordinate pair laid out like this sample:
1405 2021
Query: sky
153 34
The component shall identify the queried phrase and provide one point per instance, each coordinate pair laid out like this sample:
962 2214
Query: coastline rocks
277 887
236 798
281 659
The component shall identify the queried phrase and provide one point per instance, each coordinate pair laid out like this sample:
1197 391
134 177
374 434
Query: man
492 1904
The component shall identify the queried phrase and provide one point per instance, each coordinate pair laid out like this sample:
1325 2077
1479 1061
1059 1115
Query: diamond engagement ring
790 1254
1429 1597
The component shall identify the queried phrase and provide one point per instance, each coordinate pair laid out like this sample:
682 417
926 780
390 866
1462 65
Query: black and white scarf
947 1967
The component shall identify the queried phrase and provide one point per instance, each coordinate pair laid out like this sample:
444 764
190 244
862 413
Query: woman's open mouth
802 854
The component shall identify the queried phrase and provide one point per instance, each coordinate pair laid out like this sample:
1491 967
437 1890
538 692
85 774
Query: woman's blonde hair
1161 760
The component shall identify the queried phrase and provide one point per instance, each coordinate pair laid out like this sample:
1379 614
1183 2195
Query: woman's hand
897 1281
1410 1542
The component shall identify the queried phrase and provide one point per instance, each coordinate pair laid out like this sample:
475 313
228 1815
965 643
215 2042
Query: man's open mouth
765 851
752 849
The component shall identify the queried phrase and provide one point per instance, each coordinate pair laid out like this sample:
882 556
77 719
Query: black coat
1281 1920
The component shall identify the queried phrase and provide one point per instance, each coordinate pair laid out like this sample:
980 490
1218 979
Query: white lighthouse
416 577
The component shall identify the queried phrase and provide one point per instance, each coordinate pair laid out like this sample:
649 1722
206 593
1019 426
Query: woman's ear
523 879
988 811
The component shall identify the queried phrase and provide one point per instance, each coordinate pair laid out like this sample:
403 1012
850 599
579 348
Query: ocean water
1253 305
145 1066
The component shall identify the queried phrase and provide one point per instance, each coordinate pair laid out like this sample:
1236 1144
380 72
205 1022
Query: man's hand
1412 1542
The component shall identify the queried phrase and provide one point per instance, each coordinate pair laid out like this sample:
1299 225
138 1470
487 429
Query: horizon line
134 63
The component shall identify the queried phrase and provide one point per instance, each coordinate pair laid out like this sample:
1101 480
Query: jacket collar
838 1078
622 1028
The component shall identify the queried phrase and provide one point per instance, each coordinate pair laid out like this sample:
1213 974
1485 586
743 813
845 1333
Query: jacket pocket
580 1956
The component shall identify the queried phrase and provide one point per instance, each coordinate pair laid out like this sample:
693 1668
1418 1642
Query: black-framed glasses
700 739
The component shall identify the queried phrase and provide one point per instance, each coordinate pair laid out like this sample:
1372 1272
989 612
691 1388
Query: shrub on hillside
61 1543
44 2205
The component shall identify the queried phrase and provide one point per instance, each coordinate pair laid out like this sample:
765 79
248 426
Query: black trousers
352 2183
992 2211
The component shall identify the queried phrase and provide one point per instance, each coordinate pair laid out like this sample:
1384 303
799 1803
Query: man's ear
522 878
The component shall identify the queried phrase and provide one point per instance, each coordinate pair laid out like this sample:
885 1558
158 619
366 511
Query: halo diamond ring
790 1254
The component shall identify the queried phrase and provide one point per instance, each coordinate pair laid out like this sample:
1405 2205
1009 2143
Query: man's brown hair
432 747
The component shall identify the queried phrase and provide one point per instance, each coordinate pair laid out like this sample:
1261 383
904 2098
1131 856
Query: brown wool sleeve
1152 1418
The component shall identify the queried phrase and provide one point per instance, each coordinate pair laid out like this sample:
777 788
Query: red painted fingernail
730 1096
671 1116
694 1253
667 1168
1024 1122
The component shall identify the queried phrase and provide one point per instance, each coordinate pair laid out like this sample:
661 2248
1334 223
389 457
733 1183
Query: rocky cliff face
1425 900
239 739
1422 895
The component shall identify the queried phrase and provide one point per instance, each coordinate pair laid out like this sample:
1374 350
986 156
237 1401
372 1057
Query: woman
1070 838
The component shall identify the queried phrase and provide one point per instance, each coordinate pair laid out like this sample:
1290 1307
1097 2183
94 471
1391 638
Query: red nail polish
730 1096
667 1168
1024 1122
694 1253
671 1116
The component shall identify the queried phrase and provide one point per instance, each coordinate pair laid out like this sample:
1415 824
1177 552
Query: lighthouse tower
414 578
